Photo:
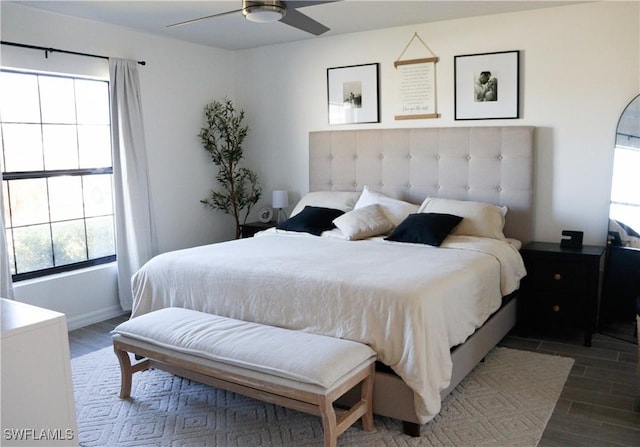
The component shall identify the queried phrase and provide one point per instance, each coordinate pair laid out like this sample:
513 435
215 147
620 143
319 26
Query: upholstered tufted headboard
489 164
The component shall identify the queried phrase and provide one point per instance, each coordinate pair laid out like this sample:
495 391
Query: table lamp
280 200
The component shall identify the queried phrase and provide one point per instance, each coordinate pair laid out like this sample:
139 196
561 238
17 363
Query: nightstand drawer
558 277
559 311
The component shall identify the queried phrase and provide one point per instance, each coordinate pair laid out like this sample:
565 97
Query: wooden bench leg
329 423
366 395
333 426
127 370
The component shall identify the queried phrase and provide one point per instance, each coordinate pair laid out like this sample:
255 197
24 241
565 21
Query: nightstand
562 287
251 228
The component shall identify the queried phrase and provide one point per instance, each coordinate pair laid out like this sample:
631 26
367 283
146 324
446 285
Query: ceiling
234 32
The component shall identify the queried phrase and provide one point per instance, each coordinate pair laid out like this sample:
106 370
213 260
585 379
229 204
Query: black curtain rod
55 50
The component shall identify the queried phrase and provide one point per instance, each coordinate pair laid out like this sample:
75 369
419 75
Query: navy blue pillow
425 228
312 219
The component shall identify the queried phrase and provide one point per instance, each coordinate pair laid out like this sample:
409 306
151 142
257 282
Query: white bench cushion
295 355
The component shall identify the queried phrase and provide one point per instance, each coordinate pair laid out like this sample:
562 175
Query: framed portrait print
486 86
353 94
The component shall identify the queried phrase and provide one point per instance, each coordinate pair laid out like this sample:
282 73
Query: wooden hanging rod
416 61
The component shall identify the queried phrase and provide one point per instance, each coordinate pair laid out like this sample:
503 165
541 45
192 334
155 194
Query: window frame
45 174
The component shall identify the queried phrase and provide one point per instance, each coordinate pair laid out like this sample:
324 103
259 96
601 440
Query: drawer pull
557 276
556 308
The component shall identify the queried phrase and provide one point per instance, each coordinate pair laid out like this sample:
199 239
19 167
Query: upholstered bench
295 369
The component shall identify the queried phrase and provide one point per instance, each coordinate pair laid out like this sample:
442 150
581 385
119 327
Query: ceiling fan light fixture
263 12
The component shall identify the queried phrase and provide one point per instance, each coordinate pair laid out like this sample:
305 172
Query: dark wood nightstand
562 287
251 228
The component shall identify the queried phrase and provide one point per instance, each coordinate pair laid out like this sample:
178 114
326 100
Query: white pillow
395 210
339 200
363 222
479 218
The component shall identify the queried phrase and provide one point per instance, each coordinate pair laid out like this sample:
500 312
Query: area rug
505 401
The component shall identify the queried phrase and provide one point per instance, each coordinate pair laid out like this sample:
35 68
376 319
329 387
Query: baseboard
97 316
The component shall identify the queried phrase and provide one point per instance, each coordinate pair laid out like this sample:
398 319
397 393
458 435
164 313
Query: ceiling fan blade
187 22
305 23
302 3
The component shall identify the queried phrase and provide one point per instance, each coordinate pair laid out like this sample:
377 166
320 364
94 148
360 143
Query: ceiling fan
271 11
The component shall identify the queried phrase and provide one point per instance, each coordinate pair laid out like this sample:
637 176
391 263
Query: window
57 172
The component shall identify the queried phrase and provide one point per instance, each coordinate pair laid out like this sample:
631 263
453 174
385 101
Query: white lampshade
280 198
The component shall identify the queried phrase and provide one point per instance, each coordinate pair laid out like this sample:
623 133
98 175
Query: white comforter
410 303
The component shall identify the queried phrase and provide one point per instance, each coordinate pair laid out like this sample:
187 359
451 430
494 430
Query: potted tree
222 139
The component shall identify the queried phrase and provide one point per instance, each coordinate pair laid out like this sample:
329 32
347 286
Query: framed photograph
353 94
486 86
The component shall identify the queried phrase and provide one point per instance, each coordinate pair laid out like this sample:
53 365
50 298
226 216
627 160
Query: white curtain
6 284
135 229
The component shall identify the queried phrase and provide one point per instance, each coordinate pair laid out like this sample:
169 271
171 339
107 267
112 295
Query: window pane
92 102
19 93
32 248
69 244
65 198
95 146
28 202
100 237
60 147
57 100
22 145
98 200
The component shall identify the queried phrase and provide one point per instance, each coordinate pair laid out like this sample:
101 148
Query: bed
400 298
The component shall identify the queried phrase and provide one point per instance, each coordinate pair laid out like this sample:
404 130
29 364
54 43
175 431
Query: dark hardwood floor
93 338
600 402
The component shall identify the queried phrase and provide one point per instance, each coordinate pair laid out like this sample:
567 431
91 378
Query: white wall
177 82
579 68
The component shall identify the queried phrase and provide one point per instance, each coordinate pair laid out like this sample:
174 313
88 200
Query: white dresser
36 388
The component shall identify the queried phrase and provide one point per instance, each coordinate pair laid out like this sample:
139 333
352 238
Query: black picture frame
487 86
353 95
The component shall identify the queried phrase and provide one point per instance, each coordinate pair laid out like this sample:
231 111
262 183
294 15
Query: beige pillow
479 218
395 210
339 200
363 222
